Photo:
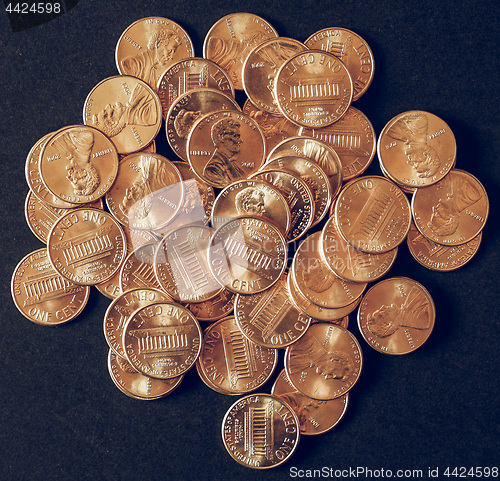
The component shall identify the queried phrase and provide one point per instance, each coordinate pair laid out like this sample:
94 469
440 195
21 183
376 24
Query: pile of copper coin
262 235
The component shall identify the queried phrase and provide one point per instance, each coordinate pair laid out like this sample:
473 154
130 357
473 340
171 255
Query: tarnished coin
135 384
349 263
319 284
248 255
261 66
315 417
42 295
251 197
269 318
148 191
396 315
149 46
439 257
181 264
416 149
86 246
453 211
325 362
230 40
120 310
372 214
137 270
231 362
313 89
222 305
191 74
354 52
225 146
78 164
162 340
187 109
352 138
126 109
260 431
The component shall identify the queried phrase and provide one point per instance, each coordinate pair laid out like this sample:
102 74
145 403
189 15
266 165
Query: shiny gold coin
149 46
269 426
232 363
325 363
42 295
126 109
396 316
137 270
315 417
86 246
230 40
269 318
247 255
222 305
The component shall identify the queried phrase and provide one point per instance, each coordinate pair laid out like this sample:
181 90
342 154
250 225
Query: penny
261 66
325 363
225 146
254 198
269 318
439 257
313 89
110 288
181 264
230 40
260 431
319 284
349 263
86 246
149 46
297 194
126 109
162 340
136 238
191 74
187 109
247 255
148 191
220 306
343 322
78 164
352 50
137 270
232 363
207 381
416 149
453 211
315 417
42 295
353 139
396 315
135 384
120 310
372 214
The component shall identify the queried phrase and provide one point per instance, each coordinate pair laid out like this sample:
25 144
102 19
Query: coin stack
263 226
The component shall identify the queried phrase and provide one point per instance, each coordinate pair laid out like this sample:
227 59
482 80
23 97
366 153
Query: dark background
61 417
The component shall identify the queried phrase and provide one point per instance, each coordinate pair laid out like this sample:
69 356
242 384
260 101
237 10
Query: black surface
61 417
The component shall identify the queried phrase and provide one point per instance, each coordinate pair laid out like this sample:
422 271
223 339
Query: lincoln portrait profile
250 201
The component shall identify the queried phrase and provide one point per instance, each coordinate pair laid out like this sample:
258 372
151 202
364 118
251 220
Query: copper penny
126 109
315 417
453 211
137 270
416 149
225 146
86 246
260 431
325 363
269 318
149 46
354 52
313 89
162 340
396 315
230 40
353 139
222 305
373 214
42 295
231 362
136 238
110 288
